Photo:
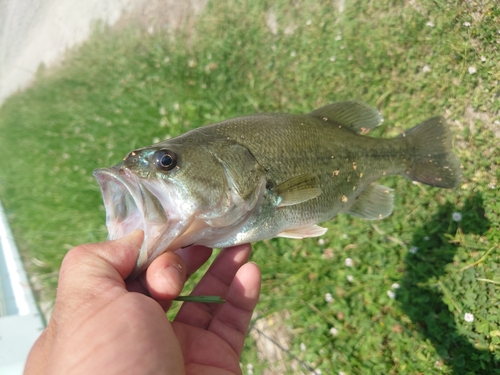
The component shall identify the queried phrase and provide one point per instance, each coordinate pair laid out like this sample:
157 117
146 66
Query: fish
268 175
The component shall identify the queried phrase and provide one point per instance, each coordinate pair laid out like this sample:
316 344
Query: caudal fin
433 160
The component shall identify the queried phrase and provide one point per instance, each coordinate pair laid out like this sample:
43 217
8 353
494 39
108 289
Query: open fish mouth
131 205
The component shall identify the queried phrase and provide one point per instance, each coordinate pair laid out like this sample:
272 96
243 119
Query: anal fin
312 230
375 202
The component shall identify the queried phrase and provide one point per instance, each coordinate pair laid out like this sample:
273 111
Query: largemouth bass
267 175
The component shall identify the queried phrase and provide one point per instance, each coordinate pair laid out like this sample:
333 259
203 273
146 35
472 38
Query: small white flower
468 317
426 68
472 70
249 369
321 242
427 238
332 59
348 262
293 54
328 298
350 58
338 37
334 331
430 24
466 24
413 250
491 185
350 278
289 30
341 373
309 23
456 216
156 140
483 58
395 286
391 294
302 347
345 236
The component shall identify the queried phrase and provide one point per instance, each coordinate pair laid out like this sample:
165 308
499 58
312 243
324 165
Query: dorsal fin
354 115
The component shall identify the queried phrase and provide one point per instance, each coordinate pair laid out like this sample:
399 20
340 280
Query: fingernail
174 275
135 234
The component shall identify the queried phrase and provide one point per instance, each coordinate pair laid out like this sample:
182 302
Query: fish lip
118 184
128 205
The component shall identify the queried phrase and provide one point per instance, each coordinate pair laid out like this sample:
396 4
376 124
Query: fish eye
166 160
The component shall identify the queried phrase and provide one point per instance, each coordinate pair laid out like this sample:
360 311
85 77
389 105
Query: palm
205 352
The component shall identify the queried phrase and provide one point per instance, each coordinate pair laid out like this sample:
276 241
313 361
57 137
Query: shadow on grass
424 304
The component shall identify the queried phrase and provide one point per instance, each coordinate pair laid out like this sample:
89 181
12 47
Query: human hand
104 325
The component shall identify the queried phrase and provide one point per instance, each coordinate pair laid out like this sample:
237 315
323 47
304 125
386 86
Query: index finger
215 282
165 277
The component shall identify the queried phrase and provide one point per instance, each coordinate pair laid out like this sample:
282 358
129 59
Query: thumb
96 265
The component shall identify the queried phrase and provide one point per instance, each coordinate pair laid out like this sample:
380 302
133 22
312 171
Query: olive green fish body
266 175
285 146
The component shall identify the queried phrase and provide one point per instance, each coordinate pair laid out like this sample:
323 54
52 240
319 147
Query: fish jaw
133 203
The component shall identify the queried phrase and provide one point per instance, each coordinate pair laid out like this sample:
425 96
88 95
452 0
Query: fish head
178 194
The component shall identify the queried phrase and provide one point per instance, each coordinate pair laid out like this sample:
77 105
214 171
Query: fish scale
297 150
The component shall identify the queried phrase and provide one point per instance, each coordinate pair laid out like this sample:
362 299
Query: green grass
125 89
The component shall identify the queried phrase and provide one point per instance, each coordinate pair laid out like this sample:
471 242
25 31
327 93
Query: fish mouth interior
133 203
130 205
122 201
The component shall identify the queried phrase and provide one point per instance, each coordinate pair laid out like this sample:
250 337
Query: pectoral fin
297 190
303 232
375 202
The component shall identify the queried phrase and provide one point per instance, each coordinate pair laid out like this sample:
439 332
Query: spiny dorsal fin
354 115
297 189
375 202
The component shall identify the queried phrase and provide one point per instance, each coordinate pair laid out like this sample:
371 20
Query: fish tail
433 162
